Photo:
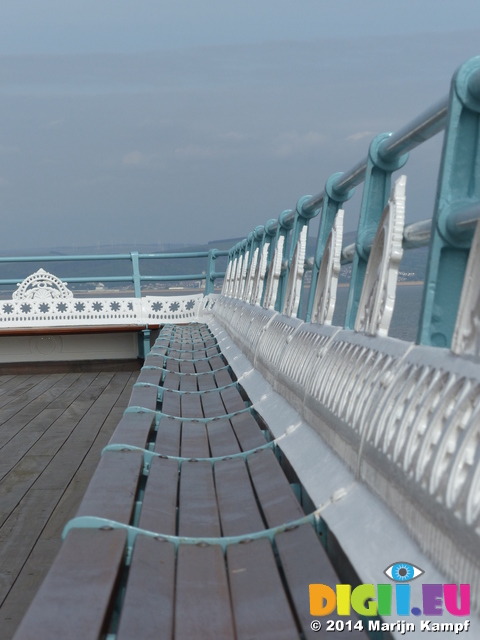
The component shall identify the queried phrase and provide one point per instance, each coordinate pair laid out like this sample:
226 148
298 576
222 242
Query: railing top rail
112 256
417 131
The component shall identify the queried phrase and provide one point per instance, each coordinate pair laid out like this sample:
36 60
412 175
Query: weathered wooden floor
52 429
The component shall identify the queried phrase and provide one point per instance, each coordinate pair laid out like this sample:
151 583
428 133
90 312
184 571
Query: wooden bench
250 590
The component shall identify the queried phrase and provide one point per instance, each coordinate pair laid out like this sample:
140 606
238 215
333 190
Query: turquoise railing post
375 196
210 275
136 274
332 202
458 189
285 224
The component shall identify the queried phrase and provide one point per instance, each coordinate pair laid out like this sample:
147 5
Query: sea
406 312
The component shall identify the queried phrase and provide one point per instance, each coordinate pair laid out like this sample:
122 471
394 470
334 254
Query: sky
194 120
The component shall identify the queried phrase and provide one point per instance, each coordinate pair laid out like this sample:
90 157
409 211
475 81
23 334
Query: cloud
355 137
134 158
293 143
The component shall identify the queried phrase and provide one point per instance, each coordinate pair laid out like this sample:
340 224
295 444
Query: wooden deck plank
82 581
22 476
28 382
28 562
202 601
198 512
260 605
147 610
65 463
22 441
15 415
159 506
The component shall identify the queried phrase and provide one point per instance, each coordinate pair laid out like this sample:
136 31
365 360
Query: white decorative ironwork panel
295 277
326 291
260 275
250 277
274 275
466 337
379 288
43 300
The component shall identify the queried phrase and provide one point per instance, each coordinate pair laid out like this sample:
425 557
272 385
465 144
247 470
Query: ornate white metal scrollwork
43 300
250 277
41 285
295 277
326 290
226 280
379 288
466 337
243 276
237 278
260 276
274 275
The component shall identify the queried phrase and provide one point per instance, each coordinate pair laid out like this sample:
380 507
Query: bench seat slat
188 383
172 381
202 366
171 403
276 496
78 591
147 610
212 404
221 438
194 440
191 406
144 397
260 605
232 400
223 378
168 437
159 506
113 488
248 431
133 429
198 512
206 382
237 504
304 562
202 600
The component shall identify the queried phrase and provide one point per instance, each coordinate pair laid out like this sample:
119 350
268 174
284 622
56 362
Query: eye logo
403 572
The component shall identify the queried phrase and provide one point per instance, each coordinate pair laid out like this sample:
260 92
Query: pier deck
52 429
